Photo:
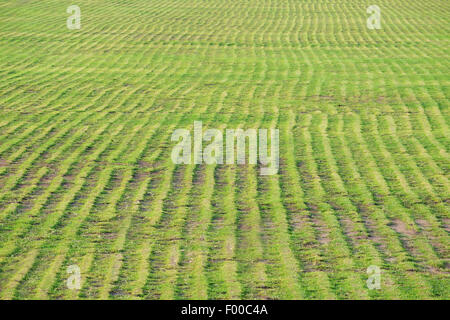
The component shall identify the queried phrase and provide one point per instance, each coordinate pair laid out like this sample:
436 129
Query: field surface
86 176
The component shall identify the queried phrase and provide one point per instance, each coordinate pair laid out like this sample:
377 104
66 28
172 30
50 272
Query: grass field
86 177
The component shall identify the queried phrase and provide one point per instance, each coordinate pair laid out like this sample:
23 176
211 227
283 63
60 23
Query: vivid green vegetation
86 176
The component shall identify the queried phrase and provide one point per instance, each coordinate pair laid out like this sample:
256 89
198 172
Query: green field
86 176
